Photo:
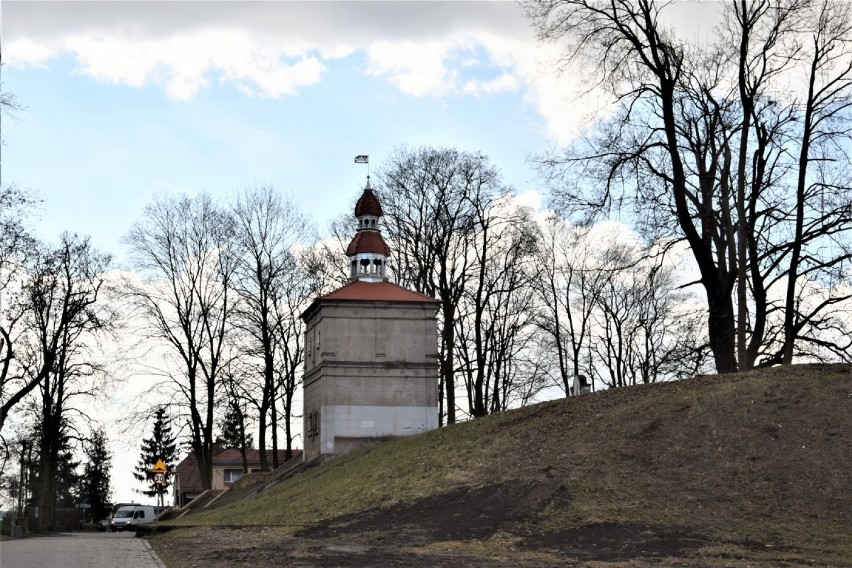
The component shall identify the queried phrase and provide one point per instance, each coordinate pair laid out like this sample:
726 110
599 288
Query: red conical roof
367 241
368 204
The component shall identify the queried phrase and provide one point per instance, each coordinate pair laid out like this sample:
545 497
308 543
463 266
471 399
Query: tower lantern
368 253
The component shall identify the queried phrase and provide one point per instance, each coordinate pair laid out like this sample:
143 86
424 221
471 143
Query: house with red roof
371 352
227 469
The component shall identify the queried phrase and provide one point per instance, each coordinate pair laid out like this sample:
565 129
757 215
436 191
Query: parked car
128 516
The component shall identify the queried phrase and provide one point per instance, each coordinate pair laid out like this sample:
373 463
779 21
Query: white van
128 516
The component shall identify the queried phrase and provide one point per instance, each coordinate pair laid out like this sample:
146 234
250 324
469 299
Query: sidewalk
79 550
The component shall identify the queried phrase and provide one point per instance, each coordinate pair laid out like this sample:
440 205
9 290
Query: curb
154 557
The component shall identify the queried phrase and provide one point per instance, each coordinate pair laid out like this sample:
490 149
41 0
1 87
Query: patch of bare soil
612 541
606 545
486 513
462 514
262 547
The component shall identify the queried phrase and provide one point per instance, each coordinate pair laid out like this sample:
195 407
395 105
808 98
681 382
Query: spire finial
364 159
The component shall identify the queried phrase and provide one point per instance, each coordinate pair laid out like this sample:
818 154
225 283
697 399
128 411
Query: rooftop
384 291
190 479
368 204
367 241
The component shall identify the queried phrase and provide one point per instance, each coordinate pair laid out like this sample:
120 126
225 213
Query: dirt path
595 546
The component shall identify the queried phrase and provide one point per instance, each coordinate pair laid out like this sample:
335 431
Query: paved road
79 550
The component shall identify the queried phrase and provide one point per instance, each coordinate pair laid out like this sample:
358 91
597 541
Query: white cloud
531 198
443 67
27 51
439 68
183 63
276 49
564 98
416 68
112 59
503 83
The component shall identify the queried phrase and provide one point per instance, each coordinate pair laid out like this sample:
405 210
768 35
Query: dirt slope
751 469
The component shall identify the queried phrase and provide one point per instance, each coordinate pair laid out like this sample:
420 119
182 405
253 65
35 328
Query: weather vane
364 159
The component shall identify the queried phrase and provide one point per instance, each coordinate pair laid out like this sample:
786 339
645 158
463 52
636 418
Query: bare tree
616 320
55 309
325 262
297 291
641 319
614 309
182 249
267 231
9 103
825 137
703 139
430 199
493 323
644 64
567 288
16 247
62 319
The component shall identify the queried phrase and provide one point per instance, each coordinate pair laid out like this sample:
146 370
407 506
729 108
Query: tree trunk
720 307
288 428
790 330
721 331
447 366
261 434
274 427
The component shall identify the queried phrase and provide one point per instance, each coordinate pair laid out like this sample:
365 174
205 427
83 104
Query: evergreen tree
53 479
234 434
67 480
160 446
95 484
233 429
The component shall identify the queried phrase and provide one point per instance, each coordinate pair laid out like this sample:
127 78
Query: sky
124 100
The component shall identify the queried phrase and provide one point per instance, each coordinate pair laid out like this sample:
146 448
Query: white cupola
368 253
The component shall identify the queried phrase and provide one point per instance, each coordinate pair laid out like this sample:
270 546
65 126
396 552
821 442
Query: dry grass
748 469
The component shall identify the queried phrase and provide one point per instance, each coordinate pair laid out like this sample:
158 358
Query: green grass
386 474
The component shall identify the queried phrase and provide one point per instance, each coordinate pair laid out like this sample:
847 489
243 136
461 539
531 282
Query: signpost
82 507
13 527
159 473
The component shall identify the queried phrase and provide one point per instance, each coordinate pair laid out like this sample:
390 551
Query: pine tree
95 485
53 478
67 479
234 434
233 429
161 446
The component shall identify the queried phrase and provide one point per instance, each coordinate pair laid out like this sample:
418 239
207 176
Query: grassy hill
750 469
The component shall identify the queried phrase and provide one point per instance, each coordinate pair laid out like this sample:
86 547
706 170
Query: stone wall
371 373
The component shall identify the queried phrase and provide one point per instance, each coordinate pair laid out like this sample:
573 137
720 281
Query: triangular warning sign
160 467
